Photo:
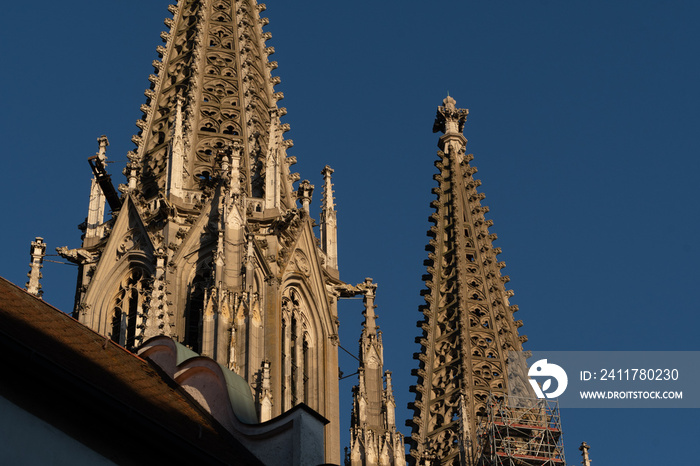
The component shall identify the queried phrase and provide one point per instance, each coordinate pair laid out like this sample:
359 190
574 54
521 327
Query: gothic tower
468 327
206 243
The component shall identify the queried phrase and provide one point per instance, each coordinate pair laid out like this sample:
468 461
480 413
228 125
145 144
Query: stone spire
37 252
329 225
212 86
374 438
468 326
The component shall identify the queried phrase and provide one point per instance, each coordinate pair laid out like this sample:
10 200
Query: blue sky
583 122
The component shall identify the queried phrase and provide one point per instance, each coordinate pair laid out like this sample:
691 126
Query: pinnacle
449 102
450 120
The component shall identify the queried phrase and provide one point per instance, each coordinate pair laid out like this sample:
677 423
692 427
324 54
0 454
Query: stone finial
236 167
449 118
96 206
131 170
370 289
304 193
328 187
223 157
329 227
103 143
584 453
177 152
37 251
390 402
276 153
250 265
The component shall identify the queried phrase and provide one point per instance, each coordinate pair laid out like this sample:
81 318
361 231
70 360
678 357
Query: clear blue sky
583 122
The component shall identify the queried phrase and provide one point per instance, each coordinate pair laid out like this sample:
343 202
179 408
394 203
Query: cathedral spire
212 86
468 327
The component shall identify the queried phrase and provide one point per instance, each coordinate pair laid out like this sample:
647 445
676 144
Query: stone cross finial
304 193
37 252
584 453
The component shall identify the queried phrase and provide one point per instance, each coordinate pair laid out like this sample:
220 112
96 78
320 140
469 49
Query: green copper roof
183 353
239 393
241 397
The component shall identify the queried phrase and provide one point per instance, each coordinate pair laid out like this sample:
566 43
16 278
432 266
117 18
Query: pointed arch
192 269
302 347
128 247
128 308
194 312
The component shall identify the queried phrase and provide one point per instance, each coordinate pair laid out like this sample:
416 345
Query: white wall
27 440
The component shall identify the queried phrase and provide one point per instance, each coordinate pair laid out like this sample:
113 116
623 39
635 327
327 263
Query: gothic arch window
297 350
127 310
194 313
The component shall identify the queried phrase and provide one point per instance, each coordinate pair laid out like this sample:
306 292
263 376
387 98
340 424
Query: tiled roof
95 390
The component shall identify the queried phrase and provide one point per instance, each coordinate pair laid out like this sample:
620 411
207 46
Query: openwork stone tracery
130 309
468 327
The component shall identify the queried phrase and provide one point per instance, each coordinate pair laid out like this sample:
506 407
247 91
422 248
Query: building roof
101 394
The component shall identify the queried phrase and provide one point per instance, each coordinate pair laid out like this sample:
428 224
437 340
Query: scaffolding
521 432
